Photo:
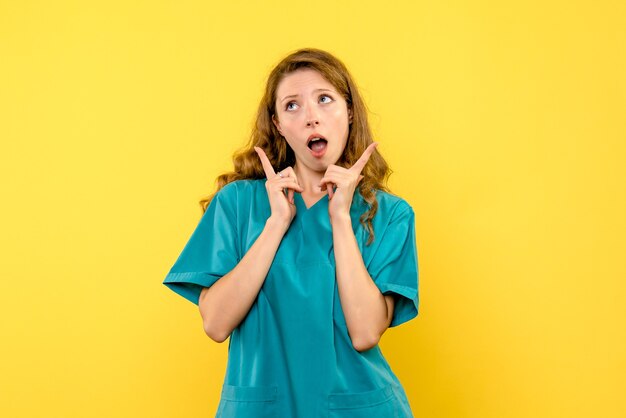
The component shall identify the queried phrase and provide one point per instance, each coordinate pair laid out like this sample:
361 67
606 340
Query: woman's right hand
283 207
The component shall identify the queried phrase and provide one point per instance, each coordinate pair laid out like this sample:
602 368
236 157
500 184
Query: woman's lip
314 136
319 154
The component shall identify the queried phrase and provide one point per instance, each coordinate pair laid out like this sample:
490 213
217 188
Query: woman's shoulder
239 187
391 205
390 199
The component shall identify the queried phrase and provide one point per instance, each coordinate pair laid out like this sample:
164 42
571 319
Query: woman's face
307 104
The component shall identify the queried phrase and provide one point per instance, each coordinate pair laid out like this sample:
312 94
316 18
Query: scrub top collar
301 205
319 209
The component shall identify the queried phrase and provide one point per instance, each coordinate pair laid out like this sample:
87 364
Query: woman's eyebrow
296 95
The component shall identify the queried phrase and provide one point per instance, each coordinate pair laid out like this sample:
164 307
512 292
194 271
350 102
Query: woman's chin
318 165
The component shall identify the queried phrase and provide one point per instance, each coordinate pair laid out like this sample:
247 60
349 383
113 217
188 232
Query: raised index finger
360 163
267 166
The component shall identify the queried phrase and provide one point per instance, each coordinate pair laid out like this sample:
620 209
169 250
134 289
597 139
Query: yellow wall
504 124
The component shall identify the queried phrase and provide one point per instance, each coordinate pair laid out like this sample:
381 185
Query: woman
303 257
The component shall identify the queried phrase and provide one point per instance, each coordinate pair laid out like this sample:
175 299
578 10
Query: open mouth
317 144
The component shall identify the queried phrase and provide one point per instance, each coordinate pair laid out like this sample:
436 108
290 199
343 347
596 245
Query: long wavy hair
247 164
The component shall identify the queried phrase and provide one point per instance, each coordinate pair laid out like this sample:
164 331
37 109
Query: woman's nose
312 116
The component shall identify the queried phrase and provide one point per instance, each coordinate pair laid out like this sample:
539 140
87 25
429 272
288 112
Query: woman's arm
367 311
224 305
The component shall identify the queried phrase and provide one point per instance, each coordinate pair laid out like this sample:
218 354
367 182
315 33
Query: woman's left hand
345 180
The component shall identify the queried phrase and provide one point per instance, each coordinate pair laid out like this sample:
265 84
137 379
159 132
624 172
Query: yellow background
504 124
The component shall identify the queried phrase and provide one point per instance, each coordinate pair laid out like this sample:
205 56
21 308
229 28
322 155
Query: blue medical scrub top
292 356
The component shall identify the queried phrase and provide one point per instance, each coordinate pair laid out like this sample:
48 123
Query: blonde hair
247 164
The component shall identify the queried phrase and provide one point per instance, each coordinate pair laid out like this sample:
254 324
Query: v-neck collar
301 205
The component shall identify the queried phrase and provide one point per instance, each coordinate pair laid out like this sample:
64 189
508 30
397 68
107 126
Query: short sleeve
393 266
211 251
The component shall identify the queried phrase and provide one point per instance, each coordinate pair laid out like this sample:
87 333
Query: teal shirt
292 356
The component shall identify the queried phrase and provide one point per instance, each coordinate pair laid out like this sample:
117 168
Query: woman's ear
276 123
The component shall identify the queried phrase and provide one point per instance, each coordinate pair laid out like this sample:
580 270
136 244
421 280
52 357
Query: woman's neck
309 180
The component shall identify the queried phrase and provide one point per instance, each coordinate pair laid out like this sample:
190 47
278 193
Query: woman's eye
290 103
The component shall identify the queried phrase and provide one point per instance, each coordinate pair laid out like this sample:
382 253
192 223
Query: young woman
303 257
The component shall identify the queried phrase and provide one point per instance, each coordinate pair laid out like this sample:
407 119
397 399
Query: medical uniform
291 356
